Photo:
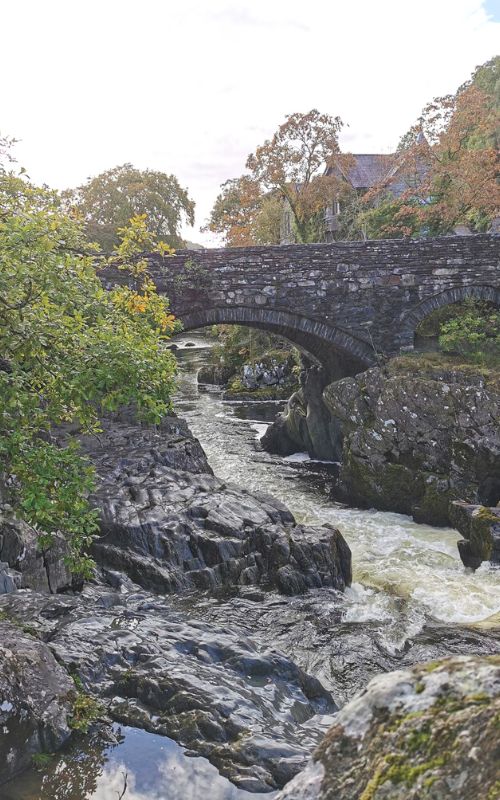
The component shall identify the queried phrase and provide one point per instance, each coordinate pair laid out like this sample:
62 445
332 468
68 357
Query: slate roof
368 169
371 169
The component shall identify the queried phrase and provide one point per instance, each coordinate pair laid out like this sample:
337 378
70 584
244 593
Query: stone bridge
342 303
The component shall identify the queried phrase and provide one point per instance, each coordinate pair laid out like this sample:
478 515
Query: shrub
474 334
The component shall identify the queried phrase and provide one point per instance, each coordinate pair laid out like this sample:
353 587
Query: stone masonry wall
349 296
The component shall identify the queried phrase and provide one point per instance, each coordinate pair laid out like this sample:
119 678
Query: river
393 557
411 600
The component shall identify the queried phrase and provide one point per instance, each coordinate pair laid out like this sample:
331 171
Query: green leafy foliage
107 201
391 219
70 351
42 760
474 334
86 710
53 486
238 345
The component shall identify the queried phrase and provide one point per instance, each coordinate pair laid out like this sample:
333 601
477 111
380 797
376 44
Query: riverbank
238 671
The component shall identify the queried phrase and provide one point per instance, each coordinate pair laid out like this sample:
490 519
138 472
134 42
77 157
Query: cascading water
393 557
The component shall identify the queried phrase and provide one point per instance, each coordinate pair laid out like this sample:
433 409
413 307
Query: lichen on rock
427 733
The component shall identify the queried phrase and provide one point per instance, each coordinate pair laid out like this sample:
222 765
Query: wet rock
125 444
480 528
249 709
288 432
35 700
421 734
342 645
170 525
175 530
29 566
306 424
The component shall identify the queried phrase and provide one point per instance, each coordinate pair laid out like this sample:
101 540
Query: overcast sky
192 87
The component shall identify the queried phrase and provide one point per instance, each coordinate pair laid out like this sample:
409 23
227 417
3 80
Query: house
364 171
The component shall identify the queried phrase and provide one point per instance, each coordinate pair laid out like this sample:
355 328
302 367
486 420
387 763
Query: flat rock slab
248 709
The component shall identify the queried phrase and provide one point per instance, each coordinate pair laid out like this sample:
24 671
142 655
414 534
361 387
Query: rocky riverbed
214 620
168 525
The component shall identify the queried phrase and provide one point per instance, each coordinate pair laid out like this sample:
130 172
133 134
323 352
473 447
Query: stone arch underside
333 348
412 319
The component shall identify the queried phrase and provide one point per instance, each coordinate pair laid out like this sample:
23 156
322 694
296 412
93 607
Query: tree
474 333
109 200
486 78
70 351
292 165
449 160
234 212
244 216
286 174
266 227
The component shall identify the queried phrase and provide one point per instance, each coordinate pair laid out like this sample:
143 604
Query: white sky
192 87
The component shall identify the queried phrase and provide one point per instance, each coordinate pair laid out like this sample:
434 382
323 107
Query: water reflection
137 766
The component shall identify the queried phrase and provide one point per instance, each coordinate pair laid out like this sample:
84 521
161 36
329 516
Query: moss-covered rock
264 393
480 528
412 437
214 374
416 442
428 733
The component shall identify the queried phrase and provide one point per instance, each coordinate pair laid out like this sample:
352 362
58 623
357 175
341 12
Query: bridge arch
457 294
331 347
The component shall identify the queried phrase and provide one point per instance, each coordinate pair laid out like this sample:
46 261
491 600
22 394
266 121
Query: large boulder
35 700
124 441
414 442
412 437
171 530
169 524
214 375
427 733
25 564
480 528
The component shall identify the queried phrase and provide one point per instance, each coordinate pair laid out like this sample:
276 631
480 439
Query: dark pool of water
143 765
